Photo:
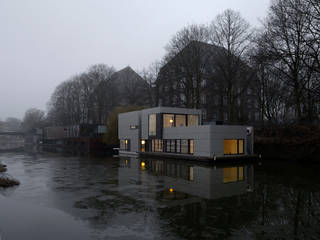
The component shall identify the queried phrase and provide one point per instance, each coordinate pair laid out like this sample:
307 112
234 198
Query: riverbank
5 179
289 143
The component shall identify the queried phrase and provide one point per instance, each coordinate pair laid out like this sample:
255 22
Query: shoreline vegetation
289 143
5 179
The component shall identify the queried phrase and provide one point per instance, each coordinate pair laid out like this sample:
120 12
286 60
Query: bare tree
33 118
231 32
150 76
187 58
285 31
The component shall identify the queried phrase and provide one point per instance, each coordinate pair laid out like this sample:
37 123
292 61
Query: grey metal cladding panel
171 110
220 133
125 121
180 110
229 132
202 148
194 132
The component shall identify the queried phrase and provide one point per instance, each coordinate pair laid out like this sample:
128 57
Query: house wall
200 134
208 139
125 120
220 132
145 116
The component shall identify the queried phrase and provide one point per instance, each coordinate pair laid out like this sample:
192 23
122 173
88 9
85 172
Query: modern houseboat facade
178 132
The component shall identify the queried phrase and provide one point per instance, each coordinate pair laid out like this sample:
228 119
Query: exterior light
143 142
143 164
171 120
126 141
171 190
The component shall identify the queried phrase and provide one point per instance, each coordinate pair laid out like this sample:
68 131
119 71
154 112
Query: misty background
45 42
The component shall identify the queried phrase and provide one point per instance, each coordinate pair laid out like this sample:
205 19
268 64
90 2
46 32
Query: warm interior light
170 189
143 142
126 141
143 164
171 120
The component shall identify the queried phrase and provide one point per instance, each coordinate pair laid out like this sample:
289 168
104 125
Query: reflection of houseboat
180 177
177 132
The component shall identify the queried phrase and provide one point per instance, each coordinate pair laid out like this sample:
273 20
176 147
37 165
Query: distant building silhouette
195 78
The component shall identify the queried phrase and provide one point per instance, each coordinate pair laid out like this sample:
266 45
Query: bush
111 137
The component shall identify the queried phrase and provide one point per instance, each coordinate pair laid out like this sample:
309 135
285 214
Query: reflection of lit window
152 125
233 174
180 120
191 174
193 120
143 165
168 120
233 146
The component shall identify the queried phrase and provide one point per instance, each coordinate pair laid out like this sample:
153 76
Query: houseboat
178 133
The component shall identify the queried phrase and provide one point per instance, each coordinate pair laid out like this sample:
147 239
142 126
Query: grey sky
44 42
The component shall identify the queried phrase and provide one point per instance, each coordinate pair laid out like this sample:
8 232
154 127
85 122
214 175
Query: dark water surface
128 198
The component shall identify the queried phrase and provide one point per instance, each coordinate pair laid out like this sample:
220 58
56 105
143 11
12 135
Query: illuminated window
125 144
233 146
178 144
143 145
180 120
168 120
152 125
191 146
193 120
184 146
157 145
240 146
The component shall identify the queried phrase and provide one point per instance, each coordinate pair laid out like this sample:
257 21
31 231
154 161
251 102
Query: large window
191 146
233 146
125 144
184 146
157 145
152 125
181 120
193 120
168 120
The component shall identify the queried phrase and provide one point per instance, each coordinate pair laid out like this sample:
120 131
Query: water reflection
131 198
182 177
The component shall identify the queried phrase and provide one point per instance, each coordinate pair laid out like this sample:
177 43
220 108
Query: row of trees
89 97
280 62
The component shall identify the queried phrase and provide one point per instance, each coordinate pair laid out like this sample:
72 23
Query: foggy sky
44 42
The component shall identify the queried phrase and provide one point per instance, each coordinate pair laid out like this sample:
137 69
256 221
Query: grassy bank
294 142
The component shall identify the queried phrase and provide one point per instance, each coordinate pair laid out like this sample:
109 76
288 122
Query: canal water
63 197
